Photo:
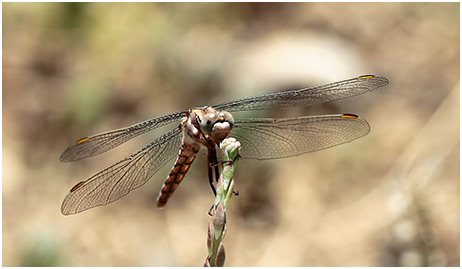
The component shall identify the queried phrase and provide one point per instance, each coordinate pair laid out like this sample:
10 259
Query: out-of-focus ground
388 199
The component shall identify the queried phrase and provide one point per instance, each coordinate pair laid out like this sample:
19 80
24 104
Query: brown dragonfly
206 127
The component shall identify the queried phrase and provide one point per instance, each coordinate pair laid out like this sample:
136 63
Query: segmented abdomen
185 158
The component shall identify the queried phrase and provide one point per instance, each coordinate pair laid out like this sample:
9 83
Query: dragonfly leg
210 170
217 171
211 210
225 162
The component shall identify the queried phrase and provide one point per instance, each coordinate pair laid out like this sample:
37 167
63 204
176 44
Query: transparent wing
279 138
308 96
100 143
119 179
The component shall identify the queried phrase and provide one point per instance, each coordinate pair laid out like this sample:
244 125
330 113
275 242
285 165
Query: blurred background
391 198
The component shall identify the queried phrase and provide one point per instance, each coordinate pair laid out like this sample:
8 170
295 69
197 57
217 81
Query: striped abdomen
185 158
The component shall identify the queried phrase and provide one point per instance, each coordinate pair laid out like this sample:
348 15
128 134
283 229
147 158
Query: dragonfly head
217 124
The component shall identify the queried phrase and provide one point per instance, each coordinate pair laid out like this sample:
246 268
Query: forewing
279 138
100 143
119 179
308 96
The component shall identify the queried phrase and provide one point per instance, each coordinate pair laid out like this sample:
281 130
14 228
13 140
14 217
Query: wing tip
383 80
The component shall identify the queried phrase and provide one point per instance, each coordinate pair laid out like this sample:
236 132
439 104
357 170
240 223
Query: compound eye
227 117
207 122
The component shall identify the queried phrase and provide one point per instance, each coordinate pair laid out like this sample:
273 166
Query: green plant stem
225 186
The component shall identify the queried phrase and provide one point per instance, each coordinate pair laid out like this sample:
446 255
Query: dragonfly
206 127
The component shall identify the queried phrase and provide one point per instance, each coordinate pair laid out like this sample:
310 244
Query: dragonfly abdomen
185 158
